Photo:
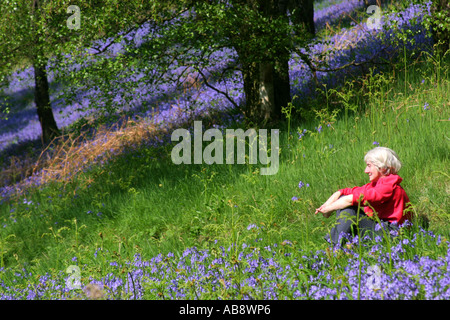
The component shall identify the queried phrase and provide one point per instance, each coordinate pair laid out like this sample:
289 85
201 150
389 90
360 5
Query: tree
262 32
39 62
24 40
265 64
36 33
186 34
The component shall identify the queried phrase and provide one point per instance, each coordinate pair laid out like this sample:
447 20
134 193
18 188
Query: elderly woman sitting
383 194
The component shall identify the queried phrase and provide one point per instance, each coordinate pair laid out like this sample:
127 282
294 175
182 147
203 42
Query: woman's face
373 172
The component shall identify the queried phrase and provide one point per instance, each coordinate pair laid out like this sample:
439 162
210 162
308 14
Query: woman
383 194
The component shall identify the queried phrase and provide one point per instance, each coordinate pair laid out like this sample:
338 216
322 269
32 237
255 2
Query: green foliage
181 46
37 32
438 23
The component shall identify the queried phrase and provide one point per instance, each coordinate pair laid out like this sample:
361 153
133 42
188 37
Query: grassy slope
144 203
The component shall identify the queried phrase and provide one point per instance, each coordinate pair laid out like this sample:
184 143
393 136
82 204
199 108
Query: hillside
112 203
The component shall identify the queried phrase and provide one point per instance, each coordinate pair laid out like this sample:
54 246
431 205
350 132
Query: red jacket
386 196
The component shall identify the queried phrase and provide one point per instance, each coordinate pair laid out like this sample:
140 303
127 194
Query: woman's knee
351 211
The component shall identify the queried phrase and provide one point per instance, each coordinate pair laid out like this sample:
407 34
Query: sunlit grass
142 202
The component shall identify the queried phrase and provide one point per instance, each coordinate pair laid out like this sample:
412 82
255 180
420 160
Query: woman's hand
325 210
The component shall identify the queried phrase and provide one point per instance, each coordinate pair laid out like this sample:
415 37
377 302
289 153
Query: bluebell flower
393 233
301 134
301 184
378 227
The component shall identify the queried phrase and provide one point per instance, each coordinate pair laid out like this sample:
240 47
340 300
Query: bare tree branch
314 69
217 90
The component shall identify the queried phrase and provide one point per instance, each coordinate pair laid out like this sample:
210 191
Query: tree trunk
266 89
42 100
258 99
303 14
282 85
41 88
266 82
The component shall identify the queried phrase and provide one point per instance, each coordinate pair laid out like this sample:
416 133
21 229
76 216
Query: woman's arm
340 203
330 200
333 198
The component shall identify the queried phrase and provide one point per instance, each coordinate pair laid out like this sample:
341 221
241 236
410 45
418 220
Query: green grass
143 203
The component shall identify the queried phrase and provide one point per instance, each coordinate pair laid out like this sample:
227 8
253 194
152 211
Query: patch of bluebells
250 271
359 44
301 184
333 14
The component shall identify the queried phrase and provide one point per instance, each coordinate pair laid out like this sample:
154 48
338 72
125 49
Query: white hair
385 159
